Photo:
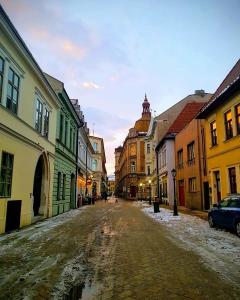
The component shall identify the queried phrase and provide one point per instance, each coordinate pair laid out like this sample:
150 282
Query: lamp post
140 191
150 192
175 211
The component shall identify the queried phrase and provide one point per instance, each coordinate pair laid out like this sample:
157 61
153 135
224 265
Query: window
234 202
133 167
148 148
148 170
232 180
64 186
164 189
191 154
61 128
1 76
59 185
192 184
213 129
95 146
237 111
66 132
45 122
180 158
94 165
228 125
39 115
6 175
12 91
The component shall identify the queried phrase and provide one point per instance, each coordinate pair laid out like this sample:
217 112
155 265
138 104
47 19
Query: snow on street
217 248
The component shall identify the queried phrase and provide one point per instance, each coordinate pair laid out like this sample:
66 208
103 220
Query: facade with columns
130 159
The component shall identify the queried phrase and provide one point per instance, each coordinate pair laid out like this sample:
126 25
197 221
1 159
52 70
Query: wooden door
181 193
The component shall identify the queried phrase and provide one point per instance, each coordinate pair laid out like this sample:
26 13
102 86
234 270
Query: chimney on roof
200 93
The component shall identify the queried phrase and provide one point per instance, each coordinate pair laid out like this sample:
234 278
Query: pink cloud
91 85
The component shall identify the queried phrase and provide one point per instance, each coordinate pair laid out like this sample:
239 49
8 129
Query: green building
65 167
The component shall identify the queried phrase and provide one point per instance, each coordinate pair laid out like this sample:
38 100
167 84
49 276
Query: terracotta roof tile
188 113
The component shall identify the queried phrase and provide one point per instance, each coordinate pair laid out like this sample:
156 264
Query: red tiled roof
188 113
232 75
232 78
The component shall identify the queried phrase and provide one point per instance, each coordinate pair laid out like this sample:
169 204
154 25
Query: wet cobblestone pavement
105 251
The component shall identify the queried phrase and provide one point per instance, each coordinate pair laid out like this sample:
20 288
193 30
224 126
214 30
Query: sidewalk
197 213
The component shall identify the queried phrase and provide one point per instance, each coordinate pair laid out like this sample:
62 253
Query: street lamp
175 211
150 192
141 191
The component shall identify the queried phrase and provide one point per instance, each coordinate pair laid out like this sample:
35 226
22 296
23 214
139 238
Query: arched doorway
39 183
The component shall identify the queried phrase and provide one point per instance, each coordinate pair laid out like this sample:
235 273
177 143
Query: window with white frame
94 165
133 166
41 117
12 91
192 184
95 146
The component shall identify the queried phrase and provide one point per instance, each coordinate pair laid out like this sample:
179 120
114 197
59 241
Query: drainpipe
158 188
86 189
76 190
199 162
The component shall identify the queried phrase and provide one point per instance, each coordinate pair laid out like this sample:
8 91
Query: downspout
76 189
86 189
158 188
199 162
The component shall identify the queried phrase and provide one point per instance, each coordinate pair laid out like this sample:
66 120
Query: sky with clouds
110 53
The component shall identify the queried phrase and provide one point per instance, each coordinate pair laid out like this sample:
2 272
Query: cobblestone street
104 251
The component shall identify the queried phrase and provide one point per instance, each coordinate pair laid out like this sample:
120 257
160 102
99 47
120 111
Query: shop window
64 187
59 179
6 175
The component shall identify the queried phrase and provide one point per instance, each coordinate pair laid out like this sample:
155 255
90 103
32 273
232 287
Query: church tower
146 108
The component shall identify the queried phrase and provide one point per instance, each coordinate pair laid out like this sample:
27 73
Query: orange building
191 166
130 158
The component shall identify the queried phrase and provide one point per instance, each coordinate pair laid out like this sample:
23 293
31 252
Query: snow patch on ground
37 230
218 249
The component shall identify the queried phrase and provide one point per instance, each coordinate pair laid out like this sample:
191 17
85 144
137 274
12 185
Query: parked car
226 214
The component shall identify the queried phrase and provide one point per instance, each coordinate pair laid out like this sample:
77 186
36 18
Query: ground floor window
6 175
232 180
192 184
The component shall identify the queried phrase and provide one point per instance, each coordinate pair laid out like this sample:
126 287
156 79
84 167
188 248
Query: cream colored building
28 112
99 179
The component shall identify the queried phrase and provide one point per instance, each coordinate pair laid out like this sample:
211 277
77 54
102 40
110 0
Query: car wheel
211 222
238 228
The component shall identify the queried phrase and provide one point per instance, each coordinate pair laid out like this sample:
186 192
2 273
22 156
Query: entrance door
37 186
206 195
13 215
218 185
72 191
181 193
133 191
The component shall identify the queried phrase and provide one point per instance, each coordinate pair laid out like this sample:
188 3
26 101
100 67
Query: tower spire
146 107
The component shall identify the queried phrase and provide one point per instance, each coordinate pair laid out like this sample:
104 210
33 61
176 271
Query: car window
235 202
224 202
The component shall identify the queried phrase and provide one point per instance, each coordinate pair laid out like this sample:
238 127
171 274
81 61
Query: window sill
213 146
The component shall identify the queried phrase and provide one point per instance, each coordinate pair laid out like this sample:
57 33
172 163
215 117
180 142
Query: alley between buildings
106 251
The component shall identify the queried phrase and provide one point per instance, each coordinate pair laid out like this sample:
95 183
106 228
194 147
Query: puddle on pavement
106 230
82 291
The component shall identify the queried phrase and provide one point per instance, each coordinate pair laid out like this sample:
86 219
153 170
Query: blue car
226 214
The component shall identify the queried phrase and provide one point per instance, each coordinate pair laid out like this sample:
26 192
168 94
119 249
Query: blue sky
109 53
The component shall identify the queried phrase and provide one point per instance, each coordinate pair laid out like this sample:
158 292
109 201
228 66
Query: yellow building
222 129
130 174
28 111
